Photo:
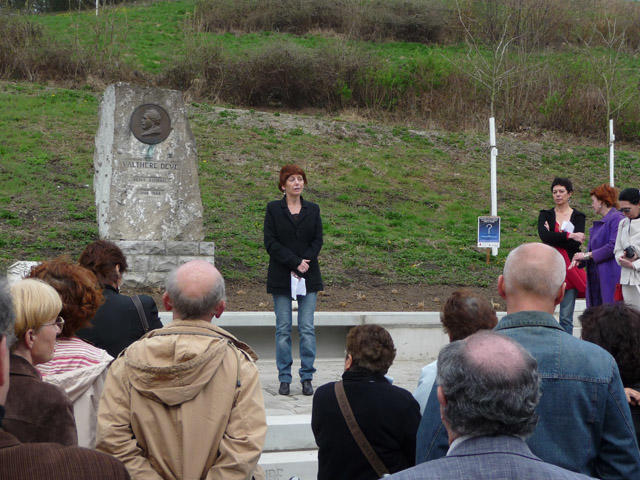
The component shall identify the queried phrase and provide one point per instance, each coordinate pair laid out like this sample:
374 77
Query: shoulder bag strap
143 317
366 448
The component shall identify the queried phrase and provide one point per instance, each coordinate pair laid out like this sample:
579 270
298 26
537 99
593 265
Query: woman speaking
293 239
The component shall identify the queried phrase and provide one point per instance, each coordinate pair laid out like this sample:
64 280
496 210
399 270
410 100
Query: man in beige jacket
184 402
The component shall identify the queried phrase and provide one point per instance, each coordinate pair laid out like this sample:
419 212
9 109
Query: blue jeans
567 306
306 332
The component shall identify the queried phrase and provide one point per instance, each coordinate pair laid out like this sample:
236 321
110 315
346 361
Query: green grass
397 207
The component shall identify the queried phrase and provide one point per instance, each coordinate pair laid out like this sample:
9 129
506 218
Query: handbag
143 317
364 445
617 293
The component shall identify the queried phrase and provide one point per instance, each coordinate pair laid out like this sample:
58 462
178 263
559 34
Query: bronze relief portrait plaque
150 123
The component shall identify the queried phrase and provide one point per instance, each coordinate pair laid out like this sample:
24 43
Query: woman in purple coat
603 273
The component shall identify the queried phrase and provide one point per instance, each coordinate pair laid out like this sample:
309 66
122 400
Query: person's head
37 309
370 347
487 385
292 180
616 328
78 288
603 197
195 291
105 260
150 118
532 278
465 313
630 202
562 189
7 337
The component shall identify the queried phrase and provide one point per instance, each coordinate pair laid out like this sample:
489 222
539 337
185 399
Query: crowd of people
93 386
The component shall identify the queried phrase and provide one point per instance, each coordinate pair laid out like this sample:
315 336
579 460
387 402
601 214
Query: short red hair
78 288
287 171
606 194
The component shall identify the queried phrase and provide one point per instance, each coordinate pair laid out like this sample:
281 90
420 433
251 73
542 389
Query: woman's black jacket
288 242
559 239
116 324
387 415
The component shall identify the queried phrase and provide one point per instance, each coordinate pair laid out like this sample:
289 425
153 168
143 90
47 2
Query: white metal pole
612 139
97 3
494 187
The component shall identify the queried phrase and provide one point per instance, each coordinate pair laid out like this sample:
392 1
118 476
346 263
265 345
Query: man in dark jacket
29 461
585 423
475 375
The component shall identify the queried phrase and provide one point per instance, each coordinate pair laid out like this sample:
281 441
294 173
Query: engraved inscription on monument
150 124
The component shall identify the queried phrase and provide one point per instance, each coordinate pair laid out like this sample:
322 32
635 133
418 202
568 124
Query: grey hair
541 275
482 400
194 308
7 314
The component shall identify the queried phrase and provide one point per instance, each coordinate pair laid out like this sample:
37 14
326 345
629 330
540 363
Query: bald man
185 401
475 375
585 424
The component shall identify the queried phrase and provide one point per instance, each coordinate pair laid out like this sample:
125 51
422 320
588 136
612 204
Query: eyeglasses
625 209
58 322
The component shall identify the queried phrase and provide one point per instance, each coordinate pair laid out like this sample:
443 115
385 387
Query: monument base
151 260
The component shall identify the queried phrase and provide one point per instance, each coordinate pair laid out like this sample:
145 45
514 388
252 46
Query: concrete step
285 465
289 432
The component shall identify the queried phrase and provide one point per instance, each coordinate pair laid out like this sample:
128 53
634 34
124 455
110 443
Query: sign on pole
489 232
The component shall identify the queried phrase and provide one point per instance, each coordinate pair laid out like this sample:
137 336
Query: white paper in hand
567 227
298 287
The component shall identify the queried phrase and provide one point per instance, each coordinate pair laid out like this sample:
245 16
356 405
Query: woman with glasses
78 367
36 411
627 249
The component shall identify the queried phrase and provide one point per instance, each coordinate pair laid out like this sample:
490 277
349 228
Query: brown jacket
37 411
184 402
51 461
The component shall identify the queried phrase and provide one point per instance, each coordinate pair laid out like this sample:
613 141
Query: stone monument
146 182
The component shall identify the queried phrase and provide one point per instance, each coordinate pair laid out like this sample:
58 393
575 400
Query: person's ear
30 338
220 308
560 294
442 400
501 290
348 362
166 301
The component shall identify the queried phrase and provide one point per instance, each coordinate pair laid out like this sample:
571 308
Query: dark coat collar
304 205
19 366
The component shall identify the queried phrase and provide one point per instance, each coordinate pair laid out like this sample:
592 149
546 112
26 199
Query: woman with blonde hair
36 411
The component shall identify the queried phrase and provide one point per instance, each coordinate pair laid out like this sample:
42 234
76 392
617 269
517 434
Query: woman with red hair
603 273
293 239
77 367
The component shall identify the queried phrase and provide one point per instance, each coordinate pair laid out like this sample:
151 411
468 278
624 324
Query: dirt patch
248 296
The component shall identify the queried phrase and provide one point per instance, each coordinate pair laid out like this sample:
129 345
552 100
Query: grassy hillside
399 206
559 81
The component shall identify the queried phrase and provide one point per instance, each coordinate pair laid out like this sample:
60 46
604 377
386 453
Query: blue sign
488 232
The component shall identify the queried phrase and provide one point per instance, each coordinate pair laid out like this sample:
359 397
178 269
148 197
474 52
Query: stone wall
150 261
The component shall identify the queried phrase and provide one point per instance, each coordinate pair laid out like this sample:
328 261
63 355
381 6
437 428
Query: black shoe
307 389
284 388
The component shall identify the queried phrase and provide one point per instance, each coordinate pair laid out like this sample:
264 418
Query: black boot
307 388
284 388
